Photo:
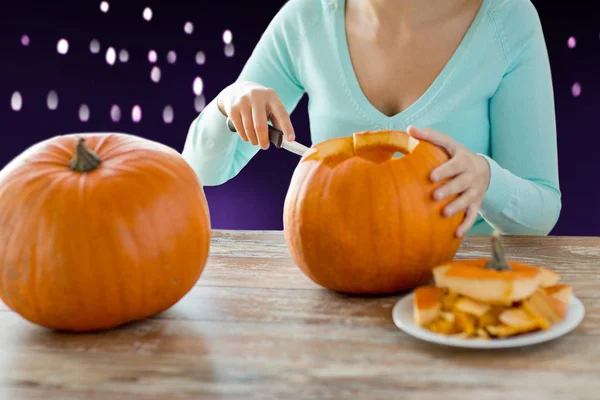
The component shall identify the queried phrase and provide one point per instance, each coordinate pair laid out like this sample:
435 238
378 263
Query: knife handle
275 135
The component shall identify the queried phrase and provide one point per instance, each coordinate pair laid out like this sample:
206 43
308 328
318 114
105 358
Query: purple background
254 199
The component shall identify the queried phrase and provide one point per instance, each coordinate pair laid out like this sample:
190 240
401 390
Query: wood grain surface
254 327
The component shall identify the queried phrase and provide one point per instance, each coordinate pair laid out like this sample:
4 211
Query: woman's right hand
251 106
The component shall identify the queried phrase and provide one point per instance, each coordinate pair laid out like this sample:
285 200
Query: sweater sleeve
523 196
215 153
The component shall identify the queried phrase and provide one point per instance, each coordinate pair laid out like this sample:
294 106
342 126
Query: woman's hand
469 175
250 106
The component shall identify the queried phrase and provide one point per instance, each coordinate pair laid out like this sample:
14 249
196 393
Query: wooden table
255 327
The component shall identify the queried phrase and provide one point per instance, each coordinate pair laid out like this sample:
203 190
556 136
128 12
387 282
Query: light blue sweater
494 96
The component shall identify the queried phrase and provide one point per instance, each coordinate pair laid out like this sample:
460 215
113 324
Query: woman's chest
393 78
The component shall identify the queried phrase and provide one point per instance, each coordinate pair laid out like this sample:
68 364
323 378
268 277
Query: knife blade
278 139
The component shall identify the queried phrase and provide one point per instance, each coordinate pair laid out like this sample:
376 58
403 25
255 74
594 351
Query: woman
471 76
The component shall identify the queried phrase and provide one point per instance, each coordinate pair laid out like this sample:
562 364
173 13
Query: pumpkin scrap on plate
491 298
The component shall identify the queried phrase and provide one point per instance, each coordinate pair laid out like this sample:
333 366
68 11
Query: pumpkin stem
498 260
85 159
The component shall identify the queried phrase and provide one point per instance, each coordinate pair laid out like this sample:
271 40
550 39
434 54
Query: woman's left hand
469 175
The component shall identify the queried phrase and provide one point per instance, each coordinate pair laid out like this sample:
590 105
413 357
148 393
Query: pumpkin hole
381 146
333 151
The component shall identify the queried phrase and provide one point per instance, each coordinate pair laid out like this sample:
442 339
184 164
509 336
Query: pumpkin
491 297
494 280
358 220
98 230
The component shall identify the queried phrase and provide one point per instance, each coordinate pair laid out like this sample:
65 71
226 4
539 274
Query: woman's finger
281 119
461 203
469 220
434 137
455 186
451 168
261 127
236 118
248 121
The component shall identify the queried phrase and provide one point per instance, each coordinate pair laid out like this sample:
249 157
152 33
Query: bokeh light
198 86
571 42
152 56
168 115
171 57
104 6
155 74
111 56
199 103
123 56
147 14
576 89
200 58
229 50
25 41
227 36
115 113
136 114
95 46
52 100
84 113
16 101
188 28
62 47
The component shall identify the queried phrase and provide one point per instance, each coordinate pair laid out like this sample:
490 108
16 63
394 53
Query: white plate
402 315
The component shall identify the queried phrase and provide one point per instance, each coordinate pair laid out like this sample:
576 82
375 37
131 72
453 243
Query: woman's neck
389 18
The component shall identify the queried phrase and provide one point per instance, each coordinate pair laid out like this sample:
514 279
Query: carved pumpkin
358 220
98 230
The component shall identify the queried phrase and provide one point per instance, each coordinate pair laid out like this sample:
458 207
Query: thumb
434 137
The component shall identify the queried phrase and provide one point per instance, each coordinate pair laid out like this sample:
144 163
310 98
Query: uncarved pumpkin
97 230
359 220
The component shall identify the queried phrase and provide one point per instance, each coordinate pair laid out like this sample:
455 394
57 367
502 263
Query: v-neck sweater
494 96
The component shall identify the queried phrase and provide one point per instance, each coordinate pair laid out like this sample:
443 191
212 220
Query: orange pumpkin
358 220
98 230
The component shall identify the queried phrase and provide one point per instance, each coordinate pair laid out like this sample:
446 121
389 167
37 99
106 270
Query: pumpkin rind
357 220
87 251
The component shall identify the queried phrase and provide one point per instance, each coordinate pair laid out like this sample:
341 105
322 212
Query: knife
278 139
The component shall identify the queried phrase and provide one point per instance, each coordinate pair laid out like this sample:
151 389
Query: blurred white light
199 103
188 28
152 56
572 42
115 113
147 13
123 56
200 58
229 50
576 89
227 36
52 100
155 74
168 115
25 40
171 57
136 114
95 46
111 56
198 86
62 46
104 6
16 101
84 113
